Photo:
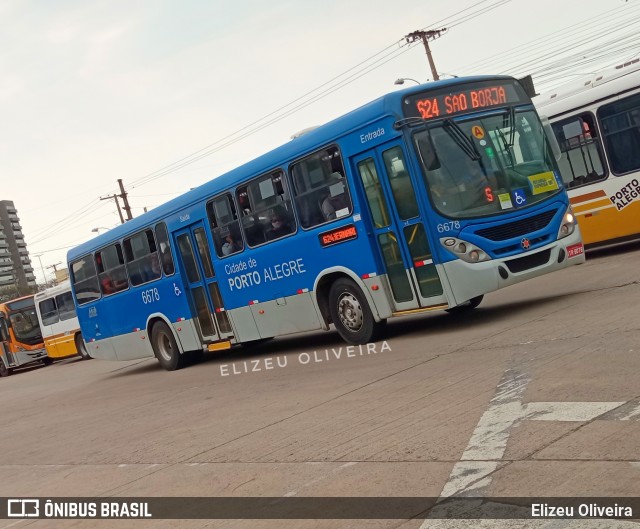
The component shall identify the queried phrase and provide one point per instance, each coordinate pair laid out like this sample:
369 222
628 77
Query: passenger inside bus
229 246
336 203
279 225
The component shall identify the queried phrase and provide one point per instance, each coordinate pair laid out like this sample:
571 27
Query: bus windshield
24 323
487 165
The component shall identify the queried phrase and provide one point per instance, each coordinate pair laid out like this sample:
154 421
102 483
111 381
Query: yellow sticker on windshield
543 182
477 131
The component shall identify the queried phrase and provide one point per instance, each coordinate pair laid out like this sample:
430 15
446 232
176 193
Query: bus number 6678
150 295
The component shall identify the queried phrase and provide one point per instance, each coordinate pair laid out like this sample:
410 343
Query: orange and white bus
597 124
20 337
59 323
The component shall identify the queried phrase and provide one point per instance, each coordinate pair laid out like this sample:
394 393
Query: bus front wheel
165 347
467 306
351 314
82 348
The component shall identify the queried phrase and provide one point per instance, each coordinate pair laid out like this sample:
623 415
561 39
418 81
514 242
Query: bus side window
4 330
225 226
166 256
49 311
66 308
143 262
621 129
267 210
111 270
320 188
581 161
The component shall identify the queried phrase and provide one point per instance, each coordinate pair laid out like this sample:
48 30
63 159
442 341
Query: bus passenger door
202 283
399 228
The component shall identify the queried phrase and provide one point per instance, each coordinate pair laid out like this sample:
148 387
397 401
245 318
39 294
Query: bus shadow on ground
409 326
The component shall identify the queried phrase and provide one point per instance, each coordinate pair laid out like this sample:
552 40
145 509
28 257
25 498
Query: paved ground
536 393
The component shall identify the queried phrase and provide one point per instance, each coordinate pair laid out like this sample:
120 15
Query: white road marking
567 411
484 452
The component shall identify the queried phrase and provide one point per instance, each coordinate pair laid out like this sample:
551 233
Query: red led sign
341 234
440 103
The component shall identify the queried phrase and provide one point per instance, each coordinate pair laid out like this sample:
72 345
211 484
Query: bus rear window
85 280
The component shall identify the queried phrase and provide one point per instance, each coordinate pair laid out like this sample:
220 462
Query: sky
167 95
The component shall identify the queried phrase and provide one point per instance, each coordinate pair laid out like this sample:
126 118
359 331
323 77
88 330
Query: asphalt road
536 393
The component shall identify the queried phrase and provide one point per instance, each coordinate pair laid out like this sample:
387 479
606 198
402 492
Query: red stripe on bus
587 196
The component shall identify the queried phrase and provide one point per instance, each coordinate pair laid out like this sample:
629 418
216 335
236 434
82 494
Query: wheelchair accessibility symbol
176 290
519 197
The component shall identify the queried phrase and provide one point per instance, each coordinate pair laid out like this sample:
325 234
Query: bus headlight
568 225
466 251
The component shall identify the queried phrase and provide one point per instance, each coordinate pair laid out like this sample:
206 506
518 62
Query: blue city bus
424 199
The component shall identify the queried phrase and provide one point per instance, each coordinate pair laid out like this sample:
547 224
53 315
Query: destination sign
344 233
441 103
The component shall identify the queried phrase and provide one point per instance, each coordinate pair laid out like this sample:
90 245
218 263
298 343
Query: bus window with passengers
427 198
597 125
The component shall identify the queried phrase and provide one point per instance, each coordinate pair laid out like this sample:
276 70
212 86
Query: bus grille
528 261
517 228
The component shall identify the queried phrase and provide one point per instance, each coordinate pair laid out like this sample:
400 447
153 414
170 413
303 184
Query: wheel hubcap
350 312
164 347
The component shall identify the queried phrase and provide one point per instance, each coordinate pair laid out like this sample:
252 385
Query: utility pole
55 270
115 197
125 200
425 37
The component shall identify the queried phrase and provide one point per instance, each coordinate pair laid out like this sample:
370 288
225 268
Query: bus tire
47 361
4 370
165 347
81 347
351 314
466 307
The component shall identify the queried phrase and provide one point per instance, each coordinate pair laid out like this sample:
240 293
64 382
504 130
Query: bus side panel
244 325
286 315
132 346
601 218
61 345
102 349
187 335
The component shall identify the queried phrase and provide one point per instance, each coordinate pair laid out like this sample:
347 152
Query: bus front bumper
469 280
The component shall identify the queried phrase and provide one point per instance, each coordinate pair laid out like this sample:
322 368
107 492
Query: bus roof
389 104
10 304
63 286
595 87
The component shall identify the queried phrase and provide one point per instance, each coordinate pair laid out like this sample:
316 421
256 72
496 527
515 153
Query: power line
306 98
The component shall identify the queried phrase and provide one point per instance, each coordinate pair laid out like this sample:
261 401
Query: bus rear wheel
81 348
351 314
165 347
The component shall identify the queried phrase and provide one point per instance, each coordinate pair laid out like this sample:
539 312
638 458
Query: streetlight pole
44 276
401 80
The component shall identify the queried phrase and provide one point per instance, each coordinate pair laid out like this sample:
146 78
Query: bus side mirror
427 152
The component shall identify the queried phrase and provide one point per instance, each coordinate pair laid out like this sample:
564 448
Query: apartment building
16 272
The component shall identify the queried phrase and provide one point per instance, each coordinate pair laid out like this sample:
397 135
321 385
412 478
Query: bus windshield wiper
408 122
461 140
510 122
